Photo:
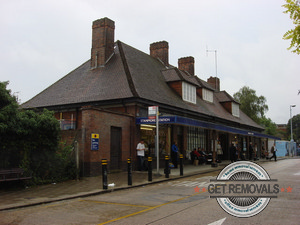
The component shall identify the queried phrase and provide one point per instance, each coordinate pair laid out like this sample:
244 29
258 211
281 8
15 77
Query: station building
103 105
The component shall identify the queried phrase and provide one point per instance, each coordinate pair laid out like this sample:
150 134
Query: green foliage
254 106
296 128
30 140
270 126
293 8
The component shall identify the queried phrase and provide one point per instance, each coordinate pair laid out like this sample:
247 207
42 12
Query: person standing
274 150
140 155
255 152
174 154
232 153
250 151
219 152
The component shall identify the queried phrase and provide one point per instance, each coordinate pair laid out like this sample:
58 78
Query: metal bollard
104 173
149 168
181 164
167 167
129 169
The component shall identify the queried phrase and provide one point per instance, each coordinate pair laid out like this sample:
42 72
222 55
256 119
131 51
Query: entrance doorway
115 148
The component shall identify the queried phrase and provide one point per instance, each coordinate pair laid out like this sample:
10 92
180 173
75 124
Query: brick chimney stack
102 41
187 64
214 82
160 50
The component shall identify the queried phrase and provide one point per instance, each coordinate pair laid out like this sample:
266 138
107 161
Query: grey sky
43 40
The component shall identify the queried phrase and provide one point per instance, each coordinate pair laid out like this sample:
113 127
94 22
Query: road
182 201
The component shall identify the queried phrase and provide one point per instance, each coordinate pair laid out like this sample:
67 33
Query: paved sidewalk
93 185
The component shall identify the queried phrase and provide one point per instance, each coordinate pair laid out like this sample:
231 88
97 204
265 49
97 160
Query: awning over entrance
191 122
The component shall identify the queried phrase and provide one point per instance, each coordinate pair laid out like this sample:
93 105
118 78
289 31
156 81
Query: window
208 95
188 92
66 120
235 109
196 137
67 124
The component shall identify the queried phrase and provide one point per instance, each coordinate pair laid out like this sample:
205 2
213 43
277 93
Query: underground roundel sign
243 189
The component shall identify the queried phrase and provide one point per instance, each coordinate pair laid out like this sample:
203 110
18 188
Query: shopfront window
148 133
196 138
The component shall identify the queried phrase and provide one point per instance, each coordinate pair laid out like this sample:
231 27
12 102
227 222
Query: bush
30 140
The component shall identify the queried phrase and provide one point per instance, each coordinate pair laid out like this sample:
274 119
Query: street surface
183 201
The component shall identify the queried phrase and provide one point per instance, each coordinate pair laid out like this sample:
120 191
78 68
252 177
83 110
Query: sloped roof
174 74
223 96
130 73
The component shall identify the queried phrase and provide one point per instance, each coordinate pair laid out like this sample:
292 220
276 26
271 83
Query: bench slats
13 174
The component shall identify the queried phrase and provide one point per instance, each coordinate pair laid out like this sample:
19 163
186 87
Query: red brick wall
187 64
160 50
177 86
102 41
227 106
100 122
199 92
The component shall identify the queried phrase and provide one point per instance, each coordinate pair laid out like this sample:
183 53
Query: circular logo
238 174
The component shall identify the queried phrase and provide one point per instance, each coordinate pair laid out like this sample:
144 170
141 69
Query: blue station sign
95 142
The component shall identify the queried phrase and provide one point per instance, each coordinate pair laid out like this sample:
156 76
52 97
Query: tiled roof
130 73
223 96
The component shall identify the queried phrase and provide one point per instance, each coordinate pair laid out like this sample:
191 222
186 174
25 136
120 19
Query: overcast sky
43 40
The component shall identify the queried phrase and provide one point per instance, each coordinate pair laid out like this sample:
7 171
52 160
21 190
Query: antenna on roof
215 51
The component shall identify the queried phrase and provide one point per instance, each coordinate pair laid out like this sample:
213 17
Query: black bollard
167 167
149 168
104 173
129 167
181 164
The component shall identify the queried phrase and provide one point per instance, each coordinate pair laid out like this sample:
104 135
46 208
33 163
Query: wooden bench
13 174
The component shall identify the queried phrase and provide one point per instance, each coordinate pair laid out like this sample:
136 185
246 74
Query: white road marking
195 184
219 222
190 184
297 174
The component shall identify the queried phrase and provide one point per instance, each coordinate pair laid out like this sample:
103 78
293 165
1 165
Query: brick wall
100 122
102 41
187 64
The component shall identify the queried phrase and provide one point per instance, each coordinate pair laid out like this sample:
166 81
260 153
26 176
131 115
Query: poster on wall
95 142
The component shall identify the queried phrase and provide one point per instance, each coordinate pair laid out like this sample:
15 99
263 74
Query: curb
92 193
98 192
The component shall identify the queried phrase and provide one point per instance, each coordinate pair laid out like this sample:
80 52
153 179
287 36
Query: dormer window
188 92
235 109
208 95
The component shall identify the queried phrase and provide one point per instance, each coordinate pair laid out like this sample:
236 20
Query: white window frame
208 95
235 108
188 92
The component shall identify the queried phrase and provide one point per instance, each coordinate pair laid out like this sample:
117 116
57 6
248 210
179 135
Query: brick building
109 96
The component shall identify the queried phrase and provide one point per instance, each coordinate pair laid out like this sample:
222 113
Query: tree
30 140
270 126
255 107
8 126
293 8
296 128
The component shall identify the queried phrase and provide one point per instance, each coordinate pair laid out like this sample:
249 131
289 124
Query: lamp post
291 106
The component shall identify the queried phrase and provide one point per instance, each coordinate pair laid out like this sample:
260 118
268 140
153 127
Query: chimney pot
102 41
187 64
214 82
160 50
